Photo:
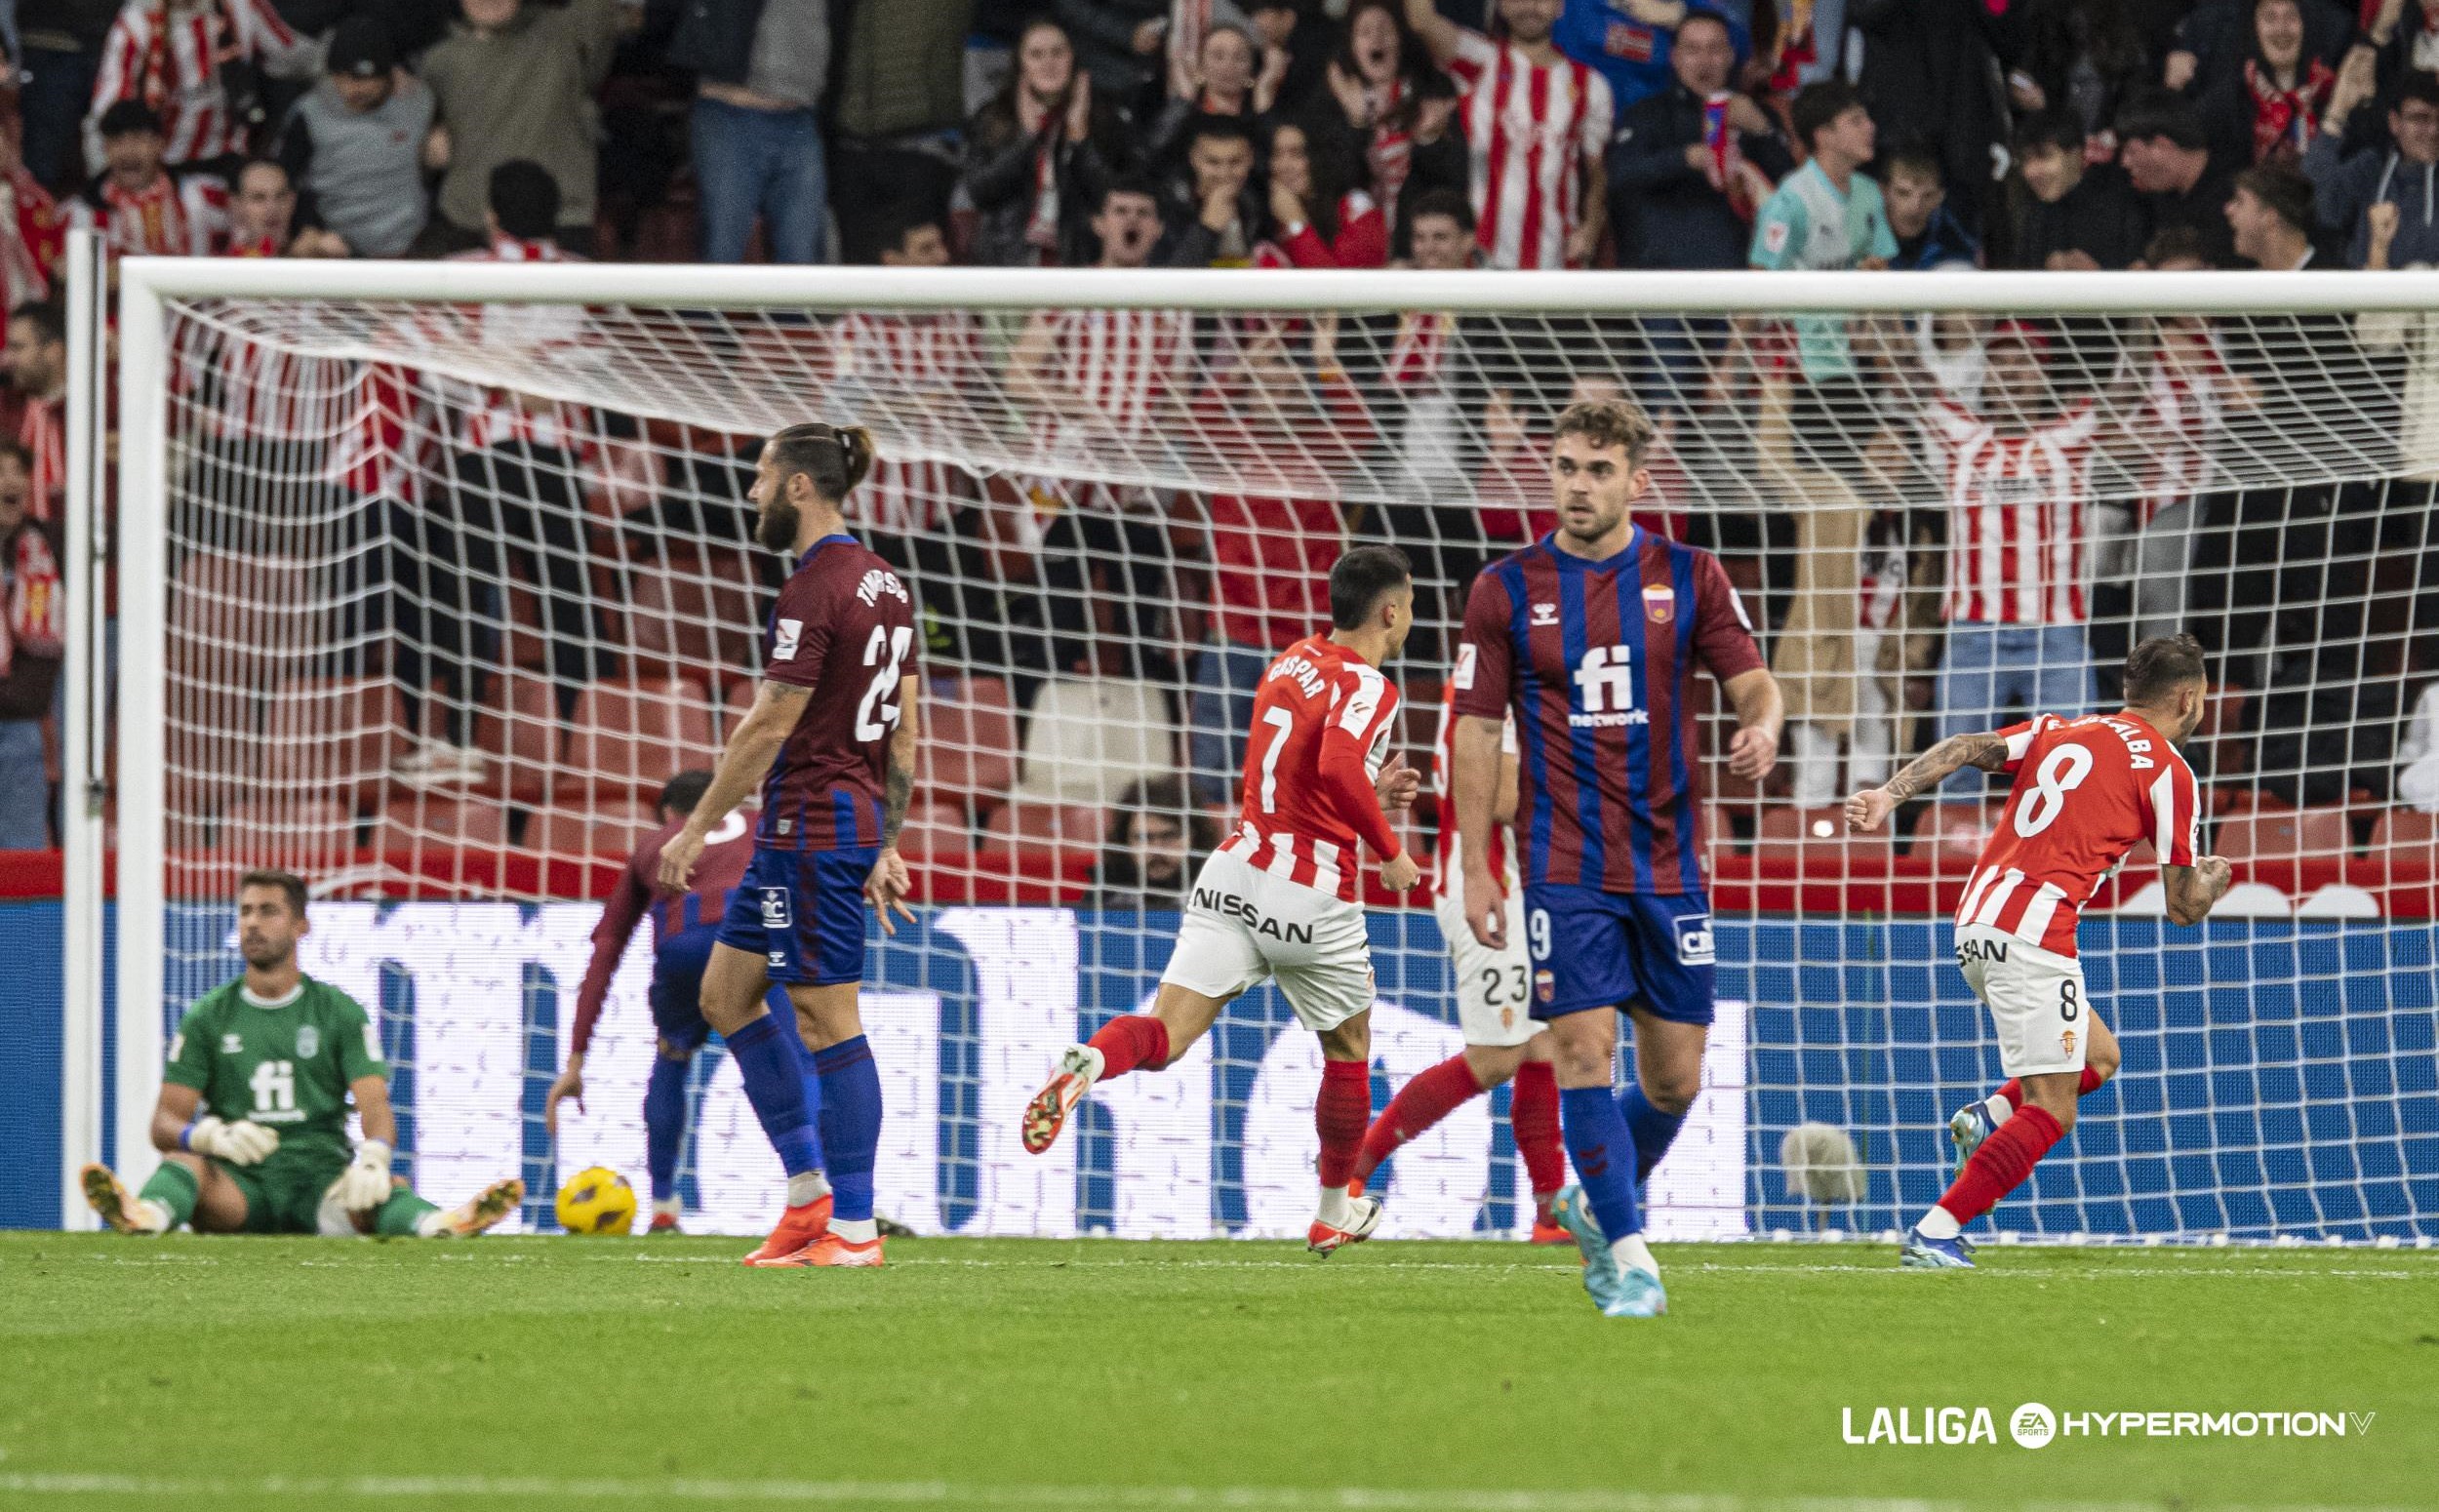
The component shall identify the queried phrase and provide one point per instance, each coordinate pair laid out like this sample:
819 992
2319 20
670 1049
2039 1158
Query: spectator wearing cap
1633 42
2405 176
516 81
760 69
1691 163
1928 234
197 63
2167 157
2076 216
142 208
354 144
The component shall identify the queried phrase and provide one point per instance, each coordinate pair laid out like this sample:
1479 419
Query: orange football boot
798 1227
830 1249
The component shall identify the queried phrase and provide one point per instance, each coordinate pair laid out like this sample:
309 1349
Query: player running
682 929
2087 792
1277 900
251 1123
1494 1007
830 739
1589 638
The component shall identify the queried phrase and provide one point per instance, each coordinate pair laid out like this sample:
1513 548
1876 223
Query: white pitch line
943 1493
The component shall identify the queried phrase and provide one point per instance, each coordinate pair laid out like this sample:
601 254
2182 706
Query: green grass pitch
1437 1377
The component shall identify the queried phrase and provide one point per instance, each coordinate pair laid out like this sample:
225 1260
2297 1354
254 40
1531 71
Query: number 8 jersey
843 627
2087 792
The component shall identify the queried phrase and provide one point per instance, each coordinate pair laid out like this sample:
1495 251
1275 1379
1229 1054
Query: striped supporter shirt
1535 131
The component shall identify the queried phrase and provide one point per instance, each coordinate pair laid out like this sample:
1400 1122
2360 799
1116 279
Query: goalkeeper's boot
1325 1240
484 1209
117 1207
1079 1067
832 1250
1968 1129
1924 1253
799 1226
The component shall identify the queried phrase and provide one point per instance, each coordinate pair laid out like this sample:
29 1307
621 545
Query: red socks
1532 1113
1340 1113
2002 1162
2013 1089
1428 1096
1135 1040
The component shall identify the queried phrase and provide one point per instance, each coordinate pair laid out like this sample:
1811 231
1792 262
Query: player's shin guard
1654 1131
176 1189
1532 1113
664 1123
1999 1167
775 1086
1603 1148
402 1216
1428 1095
1130 1041
850 1127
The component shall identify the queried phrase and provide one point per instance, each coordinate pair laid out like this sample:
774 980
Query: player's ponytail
836 457
855 444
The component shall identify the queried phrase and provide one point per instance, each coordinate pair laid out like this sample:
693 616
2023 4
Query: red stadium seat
935 831
696 613
2285 835
968 749
632 737
612 830
307 836
1813 839
2407 837
429 823
330 736
520 735
1027 827
1954 832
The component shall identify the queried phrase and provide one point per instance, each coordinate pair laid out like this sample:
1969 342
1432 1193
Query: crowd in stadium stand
1268 134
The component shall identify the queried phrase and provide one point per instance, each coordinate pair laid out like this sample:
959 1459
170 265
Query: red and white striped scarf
30 619
2284 119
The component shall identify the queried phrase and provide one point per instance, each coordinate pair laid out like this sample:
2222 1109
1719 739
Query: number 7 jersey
1322 720
2087 792
844 628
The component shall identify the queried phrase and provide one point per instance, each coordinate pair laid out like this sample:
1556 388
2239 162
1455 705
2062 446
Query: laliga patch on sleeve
1694 945
1775 237
372 1040
783 645
1465 668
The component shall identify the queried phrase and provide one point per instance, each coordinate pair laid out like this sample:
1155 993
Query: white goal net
433 577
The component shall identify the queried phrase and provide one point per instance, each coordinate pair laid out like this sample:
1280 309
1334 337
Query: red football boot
830 1249
798 1227
662 1223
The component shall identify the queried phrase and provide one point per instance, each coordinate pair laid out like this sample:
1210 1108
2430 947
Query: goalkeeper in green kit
252 1116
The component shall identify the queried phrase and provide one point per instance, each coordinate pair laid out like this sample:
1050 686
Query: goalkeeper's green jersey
285 1066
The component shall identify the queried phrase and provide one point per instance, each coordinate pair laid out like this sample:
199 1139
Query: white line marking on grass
1239 1498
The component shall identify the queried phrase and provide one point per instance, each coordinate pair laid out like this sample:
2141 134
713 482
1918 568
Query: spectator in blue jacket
1928 235
2405 175
1631 42
1690 163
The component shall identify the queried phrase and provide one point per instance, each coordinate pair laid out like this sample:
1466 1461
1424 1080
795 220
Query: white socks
1336 1209
1632 1254
1998 1109
432 1225
672 1206
806 1186
150 1216
861 1232
1937 1224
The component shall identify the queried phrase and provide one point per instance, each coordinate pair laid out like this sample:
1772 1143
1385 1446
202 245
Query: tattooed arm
1866 809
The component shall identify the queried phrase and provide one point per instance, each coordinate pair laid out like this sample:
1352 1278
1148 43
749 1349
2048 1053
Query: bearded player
251 1121
830 741
1278 899
1493 1007
2087 792
1588 638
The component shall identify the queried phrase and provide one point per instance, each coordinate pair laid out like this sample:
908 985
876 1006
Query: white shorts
1244 927
1493 987
2035 996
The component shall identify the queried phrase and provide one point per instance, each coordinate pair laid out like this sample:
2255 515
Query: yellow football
596 1201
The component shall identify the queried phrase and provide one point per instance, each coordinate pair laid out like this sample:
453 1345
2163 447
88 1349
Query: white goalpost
429 574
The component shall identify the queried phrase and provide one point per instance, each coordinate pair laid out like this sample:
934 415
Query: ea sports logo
2033 1425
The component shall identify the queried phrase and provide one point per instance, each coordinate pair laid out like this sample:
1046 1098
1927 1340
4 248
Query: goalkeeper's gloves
244 1142
365 1184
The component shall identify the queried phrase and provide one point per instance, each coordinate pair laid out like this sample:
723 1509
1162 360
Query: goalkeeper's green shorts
284 1197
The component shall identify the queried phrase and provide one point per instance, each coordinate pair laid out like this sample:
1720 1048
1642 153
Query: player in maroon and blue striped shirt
1589 637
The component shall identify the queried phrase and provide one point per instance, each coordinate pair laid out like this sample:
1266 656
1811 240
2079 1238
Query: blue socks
775 1083
851 1123
1603 1149
664 1123
1654 1131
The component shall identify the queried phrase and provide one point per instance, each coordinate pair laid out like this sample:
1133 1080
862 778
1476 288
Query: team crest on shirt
2066 1041
1659 602
308 1042
1544 985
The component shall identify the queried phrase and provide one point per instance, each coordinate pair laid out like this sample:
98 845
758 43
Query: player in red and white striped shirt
2087 792
1277 900
1494 1004
2017 476
168 54
1537 122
